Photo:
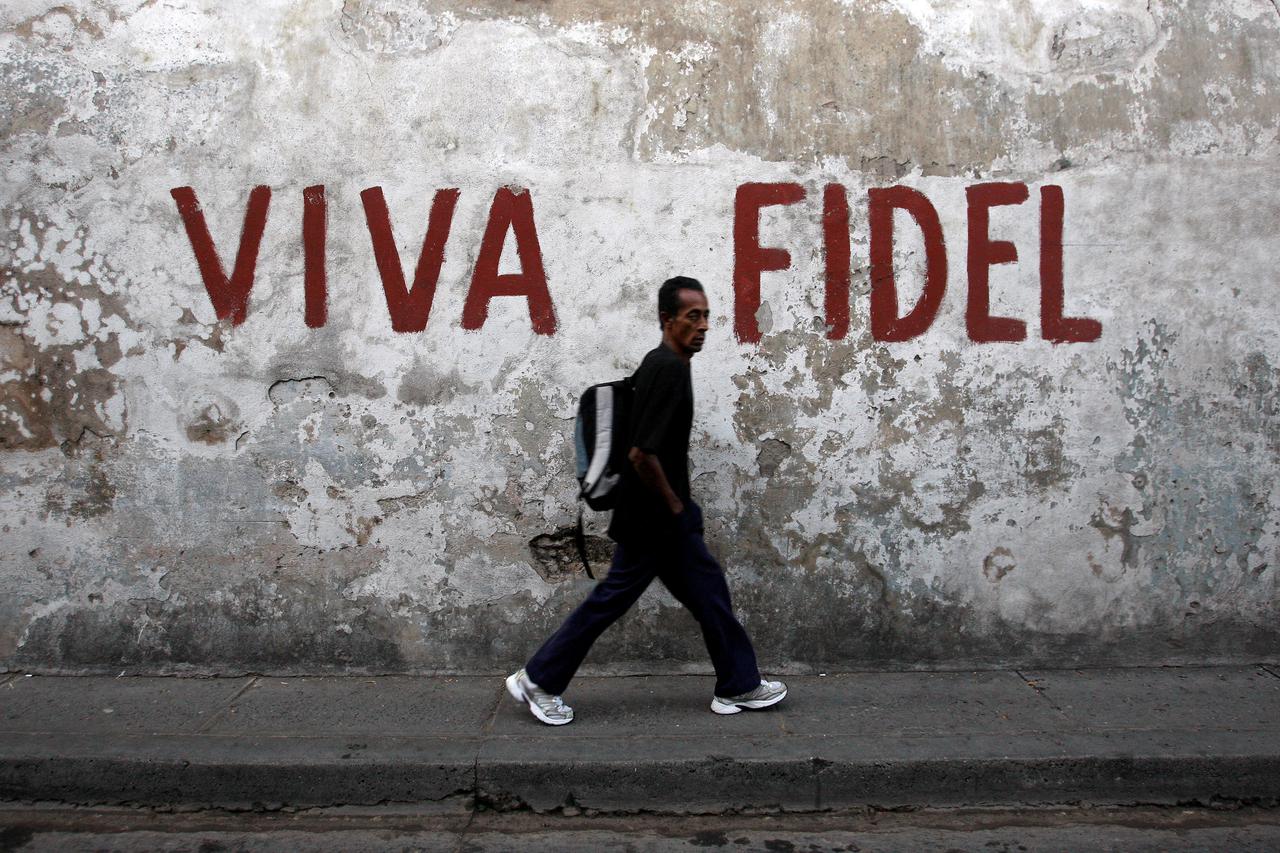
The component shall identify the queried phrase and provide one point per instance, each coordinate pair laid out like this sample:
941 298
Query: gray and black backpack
601 439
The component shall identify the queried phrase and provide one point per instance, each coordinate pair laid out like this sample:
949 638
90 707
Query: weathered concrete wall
182 493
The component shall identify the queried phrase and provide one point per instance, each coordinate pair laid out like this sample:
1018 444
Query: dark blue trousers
693 577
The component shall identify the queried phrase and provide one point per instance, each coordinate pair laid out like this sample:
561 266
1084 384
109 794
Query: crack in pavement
485 731
226 706
1034 684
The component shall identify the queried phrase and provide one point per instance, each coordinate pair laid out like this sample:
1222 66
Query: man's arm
650 472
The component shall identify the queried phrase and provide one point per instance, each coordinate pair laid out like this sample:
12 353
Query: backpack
601 440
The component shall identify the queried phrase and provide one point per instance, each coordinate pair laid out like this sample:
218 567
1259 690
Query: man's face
686 331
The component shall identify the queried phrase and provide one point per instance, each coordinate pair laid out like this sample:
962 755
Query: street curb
706 785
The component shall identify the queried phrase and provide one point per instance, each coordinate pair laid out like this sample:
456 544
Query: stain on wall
182 494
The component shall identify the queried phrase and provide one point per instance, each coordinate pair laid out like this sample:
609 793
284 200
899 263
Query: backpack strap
580 539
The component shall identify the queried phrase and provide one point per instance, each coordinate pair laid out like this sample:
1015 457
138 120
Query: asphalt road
70 830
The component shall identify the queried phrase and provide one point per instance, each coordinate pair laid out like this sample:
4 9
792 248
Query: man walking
658 531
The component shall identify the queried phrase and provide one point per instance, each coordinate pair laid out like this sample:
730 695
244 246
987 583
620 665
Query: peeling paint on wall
185 494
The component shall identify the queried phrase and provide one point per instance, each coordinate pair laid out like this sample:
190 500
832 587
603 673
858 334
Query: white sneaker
550 709
768 693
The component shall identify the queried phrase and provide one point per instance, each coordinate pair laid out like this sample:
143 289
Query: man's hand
650 472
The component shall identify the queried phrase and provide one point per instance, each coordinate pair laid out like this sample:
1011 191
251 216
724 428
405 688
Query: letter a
512 210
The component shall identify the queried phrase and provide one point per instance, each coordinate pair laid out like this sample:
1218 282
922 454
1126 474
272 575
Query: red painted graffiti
314 222
886 325
409 306
410 309
511 212
985 253
835 242
230 296
1053 326
750 259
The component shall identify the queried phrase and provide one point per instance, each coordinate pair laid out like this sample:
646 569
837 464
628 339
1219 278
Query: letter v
230 297
409 308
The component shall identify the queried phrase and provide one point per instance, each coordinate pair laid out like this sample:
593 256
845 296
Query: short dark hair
668 298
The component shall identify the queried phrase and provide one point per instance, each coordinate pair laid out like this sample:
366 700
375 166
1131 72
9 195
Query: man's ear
663 319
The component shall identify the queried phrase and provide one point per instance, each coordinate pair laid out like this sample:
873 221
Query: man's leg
696 580
553 665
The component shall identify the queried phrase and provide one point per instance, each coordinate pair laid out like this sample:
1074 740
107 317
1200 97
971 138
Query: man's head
683 315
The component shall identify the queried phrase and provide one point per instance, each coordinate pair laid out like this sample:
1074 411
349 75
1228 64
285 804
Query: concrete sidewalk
1115 736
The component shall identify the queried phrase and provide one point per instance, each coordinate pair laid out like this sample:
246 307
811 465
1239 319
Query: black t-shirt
661 419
